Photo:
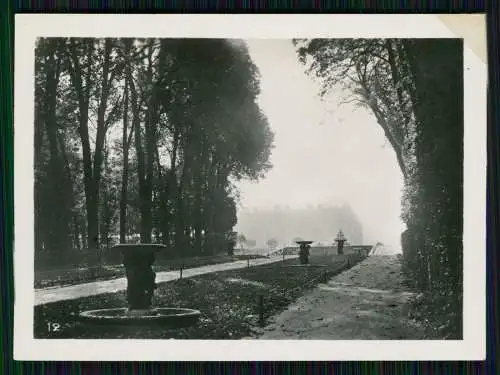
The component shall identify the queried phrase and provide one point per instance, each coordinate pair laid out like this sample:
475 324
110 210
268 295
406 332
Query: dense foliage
142 139
414 88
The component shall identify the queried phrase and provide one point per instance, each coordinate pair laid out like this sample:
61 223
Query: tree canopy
142 139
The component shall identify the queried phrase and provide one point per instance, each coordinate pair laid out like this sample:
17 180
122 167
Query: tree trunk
105 210
83 231
396 146
91 166
145 236
76 231
170 190
102 128
181 198
59 236
126 139
145 156
210 205
198 201
381 119
83 93
219 207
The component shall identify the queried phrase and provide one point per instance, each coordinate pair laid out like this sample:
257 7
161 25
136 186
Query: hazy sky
323 154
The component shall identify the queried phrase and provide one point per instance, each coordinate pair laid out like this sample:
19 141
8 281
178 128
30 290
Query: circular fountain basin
308 265
162 317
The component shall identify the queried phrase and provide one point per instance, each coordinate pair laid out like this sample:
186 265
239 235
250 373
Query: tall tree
84 70
126 141
51 182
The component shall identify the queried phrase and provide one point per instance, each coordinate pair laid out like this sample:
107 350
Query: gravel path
365 302
55 294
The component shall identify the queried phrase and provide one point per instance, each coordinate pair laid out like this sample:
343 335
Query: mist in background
284 224
329 159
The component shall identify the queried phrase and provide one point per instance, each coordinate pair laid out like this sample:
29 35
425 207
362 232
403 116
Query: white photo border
28 27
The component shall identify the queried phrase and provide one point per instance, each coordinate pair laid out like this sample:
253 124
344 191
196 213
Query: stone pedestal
304 250
140 279
340 242
340 246
138 260
304 256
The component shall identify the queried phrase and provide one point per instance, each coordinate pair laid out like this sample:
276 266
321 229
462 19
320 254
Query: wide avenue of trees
143 139
414 89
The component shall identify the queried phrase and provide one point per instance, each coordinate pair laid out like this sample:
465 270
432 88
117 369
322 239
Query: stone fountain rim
306 265
187 313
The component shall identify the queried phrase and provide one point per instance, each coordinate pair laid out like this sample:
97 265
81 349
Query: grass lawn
227 300
72 276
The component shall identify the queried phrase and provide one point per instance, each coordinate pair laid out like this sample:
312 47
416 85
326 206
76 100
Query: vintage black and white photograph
234 188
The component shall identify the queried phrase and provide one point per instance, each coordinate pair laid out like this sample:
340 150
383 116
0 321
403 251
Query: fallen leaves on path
368 301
